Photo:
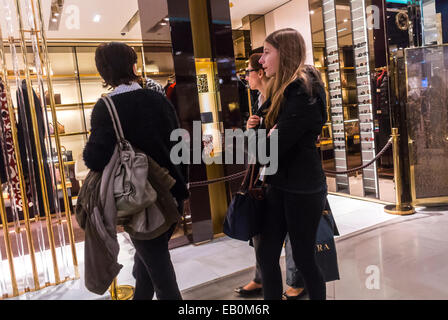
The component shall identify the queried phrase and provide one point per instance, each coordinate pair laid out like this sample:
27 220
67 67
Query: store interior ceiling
102 20
241 8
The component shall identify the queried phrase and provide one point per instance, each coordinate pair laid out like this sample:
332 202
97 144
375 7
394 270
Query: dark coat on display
299 123
21 129
148 119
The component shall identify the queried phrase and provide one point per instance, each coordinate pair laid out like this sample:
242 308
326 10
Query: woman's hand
253 122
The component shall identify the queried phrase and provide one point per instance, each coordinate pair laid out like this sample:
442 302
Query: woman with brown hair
296 193
258 81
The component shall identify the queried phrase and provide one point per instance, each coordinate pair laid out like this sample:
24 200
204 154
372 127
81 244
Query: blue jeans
293 276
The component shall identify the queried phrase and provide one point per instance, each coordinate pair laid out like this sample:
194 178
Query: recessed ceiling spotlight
312 12
163 23
97 18
56 14
345 20
54 19
166 19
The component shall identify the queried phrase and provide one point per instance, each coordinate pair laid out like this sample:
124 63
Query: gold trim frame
432 201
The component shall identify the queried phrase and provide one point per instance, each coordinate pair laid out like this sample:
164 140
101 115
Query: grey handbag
132 191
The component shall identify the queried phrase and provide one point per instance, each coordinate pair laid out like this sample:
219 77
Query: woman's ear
135 69
260 73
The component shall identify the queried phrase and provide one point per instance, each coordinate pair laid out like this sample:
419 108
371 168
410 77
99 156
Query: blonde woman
296 193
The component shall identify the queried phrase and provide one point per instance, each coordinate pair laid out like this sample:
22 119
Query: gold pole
249 102
25 207
19 169
57 139
15 290
120 292
40 160
399 208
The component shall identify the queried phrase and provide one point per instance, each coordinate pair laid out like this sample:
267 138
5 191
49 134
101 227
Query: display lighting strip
335 90
364 86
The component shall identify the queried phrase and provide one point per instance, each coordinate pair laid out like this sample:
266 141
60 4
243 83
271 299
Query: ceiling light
163 23
97 18
312 12
166 19
56 14
345 20
54 19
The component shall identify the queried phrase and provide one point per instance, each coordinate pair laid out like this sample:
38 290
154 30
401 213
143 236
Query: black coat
147 119
299 123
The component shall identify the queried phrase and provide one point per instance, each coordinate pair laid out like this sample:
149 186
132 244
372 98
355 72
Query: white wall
294 14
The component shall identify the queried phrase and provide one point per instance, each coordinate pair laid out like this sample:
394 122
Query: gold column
209 101
399 208
37 142
58 143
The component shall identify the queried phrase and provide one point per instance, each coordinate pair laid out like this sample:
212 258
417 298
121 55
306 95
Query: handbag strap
114 116
251 172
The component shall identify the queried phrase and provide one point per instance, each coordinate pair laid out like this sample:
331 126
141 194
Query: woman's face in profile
270 60
252 78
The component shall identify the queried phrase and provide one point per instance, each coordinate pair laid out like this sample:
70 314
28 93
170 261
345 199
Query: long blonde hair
292 53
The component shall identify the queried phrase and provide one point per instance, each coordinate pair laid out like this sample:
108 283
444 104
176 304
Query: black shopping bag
326 255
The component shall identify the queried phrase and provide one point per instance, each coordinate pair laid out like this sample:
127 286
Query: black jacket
299 123
148 119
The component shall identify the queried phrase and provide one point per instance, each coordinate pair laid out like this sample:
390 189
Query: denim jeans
293 276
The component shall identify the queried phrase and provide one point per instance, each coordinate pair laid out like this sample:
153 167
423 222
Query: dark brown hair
253 61
115 62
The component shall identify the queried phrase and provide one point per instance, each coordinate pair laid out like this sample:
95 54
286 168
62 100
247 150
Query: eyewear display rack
364 87
338 87
335 90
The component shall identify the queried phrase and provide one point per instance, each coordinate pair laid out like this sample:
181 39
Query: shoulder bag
132 191
243 219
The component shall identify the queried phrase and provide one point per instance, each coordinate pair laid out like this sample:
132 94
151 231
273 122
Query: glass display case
427 122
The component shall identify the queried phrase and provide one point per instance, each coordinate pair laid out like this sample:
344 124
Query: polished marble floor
380 256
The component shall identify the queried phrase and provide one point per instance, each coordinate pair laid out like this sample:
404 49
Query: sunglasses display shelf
335 90
363 79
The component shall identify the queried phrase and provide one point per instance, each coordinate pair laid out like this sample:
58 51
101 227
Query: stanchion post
399 208
120 292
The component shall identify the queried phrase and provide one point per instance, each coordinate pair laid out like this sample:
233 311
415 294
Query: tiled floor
368 237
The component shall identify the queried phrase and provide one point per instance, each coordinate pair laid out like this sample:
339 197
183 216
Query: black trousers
298 215
153 270
293 276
